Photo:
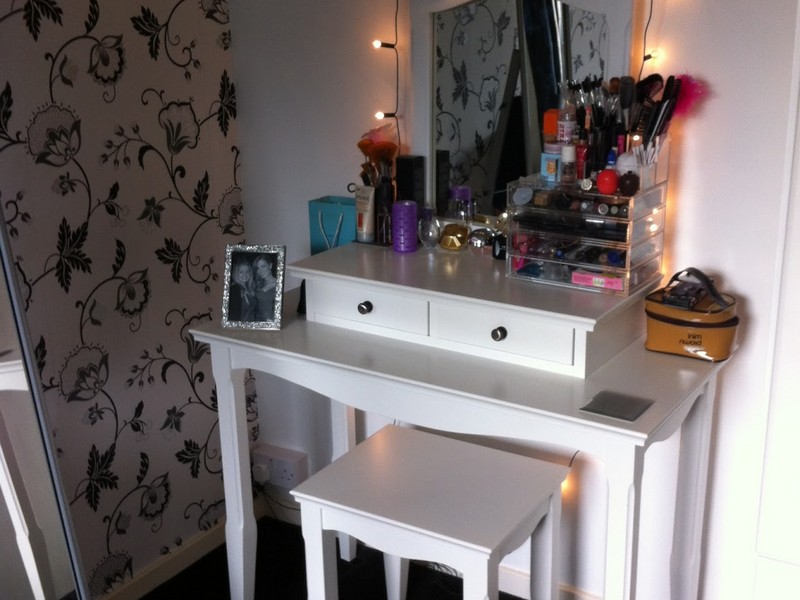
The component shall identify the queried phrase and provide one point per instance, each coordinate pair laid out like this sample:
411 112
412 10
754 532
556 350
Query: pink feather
693 92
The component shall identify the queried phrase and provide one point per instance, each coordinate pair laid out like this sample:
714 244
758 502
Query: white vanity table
424 354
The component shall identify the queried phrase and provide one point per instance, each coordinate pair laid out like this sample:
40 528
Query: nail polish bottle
568 172
581 155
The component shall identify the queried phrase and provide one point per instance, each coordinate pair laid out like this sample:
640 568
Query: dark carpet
280 573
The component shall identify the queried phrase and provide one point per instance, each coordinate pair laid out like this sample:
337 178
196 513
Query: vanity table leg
624 467
29 537
343 439
240 525
693 463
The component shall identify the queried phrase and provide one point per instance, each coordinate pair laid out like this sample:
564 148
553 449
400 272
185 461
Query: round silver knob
365 307
499 334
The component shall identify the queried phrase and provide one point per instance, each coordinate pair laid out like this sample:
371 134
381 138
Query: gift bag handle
705 281
330 243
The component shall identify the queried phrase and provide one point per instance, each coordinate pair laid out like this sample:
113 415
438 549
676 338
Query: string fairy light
651 54
378 44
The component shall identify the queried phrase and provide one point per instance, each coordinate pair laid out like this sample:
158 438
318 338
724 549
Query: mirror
32 499
478 94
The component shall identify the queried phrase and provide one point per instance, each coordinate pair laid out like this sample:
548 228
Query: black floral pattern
180 125
107 60
155 498
111 574
133 293
117 203
588 43
84 374
54 136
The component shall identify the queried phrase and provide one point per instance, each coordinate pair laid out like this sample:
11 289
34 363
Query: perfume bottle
428 229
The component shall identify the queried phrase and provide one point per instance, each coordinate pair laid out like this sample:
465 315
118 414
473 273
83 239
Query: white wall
307 83
727 204
778 566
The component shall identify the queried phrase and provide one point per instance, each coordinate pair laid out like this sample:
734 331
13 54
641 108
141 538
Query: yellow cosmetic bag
690 317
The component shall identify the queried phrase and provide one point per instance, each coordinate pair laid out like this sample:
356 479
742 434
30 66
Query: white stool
417 495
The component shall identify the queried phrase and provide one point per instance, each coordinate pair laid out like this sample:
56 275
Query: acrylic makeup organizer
562 235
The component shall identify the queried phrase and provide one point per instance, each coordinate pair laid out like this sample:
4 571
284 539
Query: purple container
404 226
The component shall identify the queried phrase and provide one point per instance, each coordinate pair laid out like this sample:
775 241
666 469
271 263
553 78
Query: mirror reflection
497 66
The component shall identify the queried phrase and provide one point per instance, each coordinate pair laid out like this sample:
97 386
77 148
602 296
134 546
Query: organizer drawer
365 308
490 332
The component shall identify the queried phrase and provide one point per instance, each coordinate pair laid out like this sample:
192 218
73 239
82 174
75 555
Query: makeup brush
645 113
650 109
627 92
647 90
663 126
649 87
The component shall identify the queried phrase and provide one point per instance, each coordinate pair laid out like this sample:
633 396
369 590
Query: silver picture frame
253 292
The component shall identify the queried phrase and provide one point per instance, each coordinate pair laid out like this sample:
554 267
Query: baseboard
516 582
171 564
568 592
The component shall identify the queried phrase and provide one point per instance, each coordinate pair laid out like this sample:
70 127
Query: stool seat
413 494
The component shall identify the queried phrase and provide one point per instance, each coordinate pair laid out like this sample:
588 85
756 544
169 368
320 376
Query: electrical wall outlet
281 467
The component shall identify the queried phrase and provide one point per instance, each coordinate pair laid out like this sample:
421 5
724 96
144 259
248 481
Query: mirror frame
619 15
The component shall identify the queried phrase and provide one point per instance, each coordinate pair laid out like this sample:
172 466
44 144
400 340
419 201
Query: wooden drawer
503 334
366 308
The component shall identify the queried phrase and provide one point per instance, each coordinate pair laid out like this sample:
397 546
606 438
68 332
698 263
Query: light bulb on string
652 54
378 44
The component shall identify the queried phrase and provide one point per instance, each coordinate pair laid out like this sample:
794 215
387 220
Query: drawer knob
499 334
365 307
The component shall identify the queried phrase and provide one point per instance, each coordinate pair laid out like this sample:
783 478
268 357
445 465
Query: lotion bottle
365 213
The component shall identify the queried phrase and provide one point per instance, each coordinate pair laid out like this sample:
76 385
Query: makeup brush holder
384 198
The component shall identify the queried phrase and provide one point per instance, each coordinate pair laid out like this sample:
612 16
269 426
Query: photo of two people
253 286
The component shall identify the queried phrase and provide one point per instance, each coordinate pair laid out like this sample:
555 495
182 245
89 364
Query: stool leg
343 437
396 569
320 550
481 580
545 553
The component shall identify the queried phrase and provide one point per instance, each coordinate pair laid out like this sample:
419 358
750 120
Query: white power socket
281 467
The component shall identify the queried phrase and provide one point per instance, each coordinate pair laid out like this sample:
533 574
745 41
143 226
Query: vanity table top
670 382
463 276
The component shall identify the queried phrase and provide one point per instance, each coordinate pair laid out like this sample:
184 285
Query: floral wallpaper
588 35
118 185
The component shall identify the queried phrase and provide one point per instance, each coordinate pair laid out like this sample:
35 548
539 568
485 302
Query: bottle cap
549 126
460 192
552 148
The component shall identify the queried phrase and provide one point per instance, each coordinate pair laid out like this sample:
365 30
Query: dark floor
280 574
